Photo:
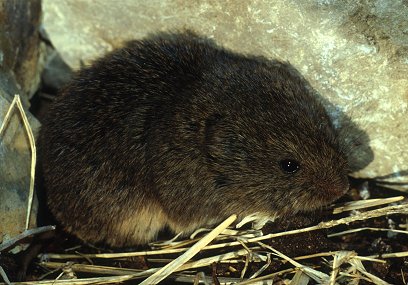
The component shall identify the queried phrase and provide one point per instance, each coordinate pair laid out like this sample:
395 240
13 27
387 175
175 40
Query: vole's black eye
289 165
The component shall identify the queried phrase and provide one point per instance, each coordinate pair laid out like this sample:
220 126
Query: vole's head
273 148
265 142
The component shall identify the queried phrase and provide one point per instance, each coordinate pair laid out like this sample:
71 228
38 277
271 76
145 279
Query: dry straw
346 266
175 264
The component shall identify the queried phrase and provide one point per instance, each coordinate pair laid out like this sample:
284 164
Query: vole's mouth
330 195
329 191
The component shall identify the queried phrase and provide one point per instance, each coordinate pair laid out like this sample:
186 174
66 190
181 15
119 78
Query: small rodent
175 131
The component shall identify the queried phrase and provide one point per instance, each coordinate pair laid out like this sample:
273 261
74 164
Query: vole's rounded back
176 131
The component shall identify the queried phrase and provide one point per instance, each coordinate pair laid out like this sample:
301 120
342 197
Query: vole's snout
335 192
335 189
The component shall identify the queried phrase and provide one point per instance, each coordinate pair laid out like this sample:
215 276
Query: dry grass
336 266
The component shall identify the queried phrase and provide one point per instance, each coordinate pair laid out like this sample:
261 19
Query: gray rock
354 53
21 54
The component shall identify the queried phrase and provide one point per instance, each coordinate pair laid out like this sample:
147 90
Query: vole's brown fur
176 131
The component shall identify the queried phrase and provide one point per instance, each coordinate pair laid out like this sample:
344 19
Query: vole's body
175 131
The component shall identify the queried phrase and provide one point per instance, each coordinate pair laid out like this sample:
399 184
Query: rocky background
354 53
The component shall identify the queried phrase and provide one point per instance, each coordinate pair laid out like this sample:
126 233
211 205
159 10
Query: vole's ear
223 141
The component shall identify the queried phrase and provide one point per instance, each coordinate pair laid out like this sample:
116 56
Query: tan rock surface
354 53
